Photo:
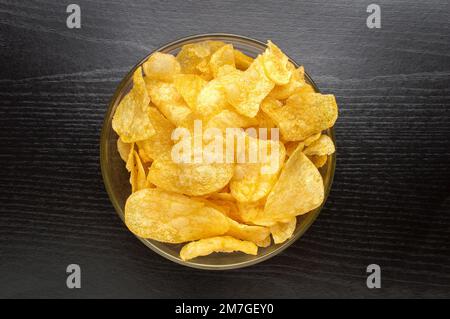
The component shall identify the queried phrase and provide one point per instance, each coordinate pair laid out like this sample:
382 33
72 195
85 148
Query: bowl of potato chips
218 151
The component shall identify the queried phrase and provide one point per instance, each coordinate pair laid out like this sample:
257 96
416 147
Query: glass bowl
116 177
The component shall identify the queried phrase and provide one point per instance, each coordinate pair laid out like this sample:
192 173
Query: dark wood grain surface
390 202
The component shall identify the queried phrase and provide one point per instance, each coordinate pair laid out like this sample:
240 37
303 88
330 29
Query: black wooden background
389 204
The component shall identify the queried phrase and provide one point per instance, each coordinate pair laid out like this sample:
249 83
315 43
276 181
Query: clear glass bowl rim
119 210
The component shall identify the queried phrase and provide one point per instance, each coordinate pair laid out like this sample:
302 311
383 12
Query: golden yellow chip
167 99
222 244
123 149
161 142
253 181
297 81
276 64
283 231
318 160
256 234
264 243
298 190
248 211
229 119
246 89
194 58
211 100
292 146
172 218
139 179
312 139
322 146
189 86
161 66
195 179
242 60
303 115
131 121
223 56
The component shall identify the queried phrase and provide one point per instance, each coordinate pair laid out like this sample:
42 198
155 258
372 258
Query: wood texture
390 201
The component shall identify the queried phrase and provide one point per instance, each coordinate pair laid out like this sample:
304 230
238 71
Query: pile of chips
231 205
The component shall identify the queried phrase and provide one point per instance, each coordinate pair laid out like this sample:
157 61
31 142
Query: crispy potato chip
223 56
131 121
189 86
298 190
292 146
305 89
194 58
222 196
297 81
265 243
161 66
195 179
172 218
123 149
264 121
242 60
276 64
222 244
211 100
248 211
322 146
167 99
161 142
312 139
130 160
229 119
303 115
318 160
253 181
246 89
256 234
139 180
283 231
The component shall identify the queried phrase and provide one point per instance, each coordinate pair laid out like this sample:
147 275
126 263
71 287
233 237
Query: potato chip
223 56
123 149
246 89
297 81
253 181
222 244
283 231
299 190
189 86
211 100
161 66
318 160
139 178
264 243
222 196
303 115
322 146
167 99
195 179
248 211
256 234
229 119
242 60
172 218
276 64
194 58
161 142
131 121
292 146
312 139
